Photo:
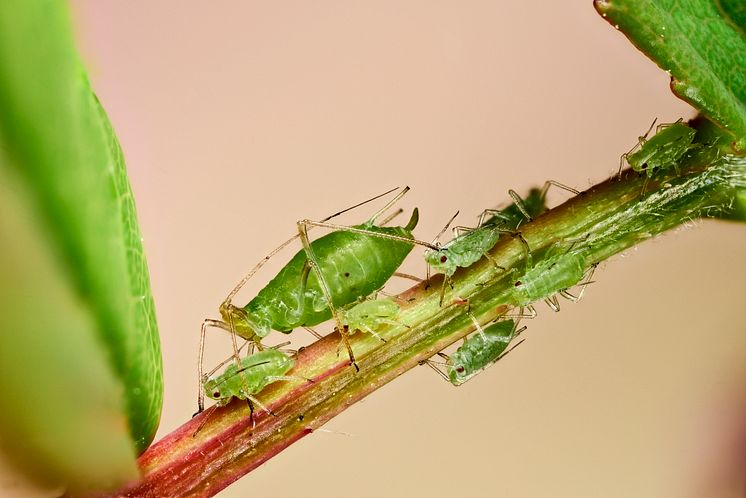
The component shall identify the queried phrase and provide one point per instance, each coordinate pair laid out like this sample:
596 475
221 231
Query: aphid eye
347 274
518 283
460 369
443 258
216 394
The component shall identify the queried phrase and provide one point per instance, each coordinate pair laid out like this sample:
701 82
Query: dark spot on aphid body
347 274
518 283
301 417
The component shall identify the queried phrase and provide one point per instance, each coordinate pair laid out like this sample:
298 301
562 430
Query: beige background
238 118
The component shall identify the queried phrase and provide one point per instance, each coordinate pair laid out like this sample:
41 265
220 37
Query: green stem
606 219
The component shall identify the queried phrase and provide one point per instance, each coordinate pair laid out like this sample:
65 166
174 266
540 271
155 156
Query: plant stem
220 445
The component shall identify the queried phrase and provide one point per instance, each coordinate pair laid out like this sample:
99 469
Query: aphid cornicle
330 272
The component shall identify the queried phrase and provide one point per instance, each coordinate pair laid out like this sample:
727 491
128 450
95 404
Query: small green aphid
553 275
485 347
472 244
481 350
249 376
663 150
329 273
368 316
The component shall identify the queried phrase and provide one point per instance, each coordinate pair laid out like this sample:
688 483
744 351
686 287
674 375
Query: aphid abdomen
479 351
548 277
353 265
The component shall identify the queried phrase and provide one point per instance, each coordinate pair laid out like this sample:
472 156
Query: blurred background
238 118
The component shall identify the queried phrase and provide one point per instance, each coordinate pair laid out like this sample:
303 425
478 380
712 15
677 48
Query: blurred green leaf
61 413
66 157
699 45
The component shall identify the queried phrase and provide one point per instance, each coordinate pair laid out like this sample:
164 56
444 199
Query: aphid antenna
511 348
313 332
399 196
229 359
436 242
202 424
432 364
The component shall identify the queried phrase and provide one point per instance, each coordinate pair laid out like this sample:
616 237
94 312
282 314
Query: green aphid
664 150
472 244
368 316
249 376
481 350
553 274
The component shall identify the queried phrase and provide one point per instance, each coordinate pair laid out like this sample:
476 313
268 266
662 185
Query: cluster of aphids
339 276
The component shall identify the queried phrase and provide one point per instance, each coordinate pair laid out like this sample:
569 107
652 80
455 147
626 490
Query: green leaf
66 156
61 413
699 45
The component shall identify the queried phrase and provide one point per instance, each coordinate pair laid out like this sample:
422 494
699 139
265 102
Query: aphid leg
253 401
493 261
303 230
288 378
208 322
446 282
207 417
407 276
530 315
494 212
369 330
554 183
313 333
644 185
511 348
477 325
640 141
518 201
552 302
434 366
587 281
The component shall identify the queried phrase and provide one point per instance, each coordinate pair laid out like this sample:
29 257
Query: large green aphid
481 350
329 273
554 274
663 150
370 315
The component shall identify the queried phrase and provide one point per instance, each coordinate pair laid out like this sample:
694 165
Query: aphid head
212 389
439 260
457 374
239 320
